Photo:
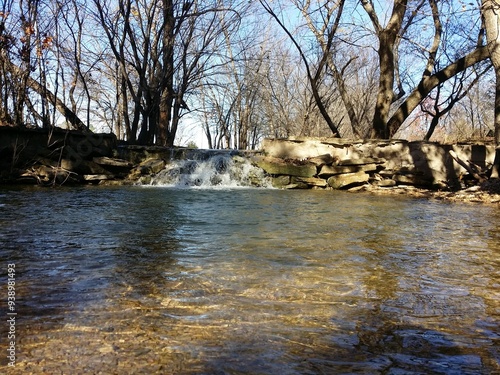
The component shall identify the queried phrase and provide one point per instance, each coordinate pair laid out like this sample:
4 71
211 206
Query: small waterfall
212 170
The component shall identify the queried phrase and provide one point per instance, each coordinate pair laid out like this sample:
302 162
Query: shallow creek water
145 280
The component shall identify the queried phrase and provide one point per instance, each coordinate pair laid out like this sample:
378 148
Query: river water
145 280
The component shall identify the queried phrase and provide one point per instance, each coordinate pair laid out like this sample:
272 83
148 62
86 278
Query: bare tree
491 15
397 30
388 37
395 33
162 49
329 13
453 59
74 16
437 106
313 77
25 35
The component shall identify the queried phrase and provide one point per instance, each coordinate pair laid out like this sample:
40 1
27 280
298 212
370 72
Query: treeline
243 70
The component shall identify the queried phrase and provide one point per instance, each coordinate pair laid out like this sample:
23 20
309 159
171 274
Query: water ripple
242 281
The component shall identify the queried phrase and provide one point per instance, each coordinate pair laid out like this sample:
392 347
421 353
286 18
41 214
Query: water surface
232 281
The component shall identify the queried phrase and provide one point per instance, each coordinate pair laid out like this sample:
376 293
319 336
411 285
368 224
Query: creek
168 280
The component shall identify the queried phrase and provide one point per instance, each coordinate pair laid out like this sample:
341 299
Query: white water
218 170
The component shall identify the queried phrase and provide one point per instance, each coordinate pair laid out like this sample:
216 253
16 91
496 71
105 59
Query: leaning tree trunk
491 17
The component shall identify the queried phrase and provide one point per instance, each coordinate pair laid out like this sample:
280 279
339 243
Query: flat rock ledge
368 176
487 193
457 173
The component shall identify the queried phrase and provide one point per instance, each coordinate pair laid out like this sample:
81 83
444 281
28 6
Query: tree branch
428 83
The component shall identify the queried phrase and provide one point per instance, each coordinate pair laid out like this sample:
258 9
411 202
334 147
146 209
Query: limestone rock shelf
344 164
56 156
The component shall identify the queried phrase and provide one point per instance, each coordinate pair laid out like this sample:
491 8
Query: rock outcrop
53 156
57 156
343 164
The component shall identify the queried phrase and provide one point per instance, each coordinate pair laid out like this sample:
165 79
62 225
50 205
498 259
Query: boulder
384 183
321 160
147 167
328 170
310 181
275 166
341 181
152 166
296 148
280 181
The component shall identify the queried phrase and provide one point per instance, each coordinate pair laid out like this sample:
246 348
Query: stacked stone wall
340 163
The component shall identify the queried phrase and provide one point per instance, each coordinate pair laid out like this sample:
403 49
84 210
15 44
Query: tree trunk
70 116
495 170
388 38
167 85
432 127
491 16
385 93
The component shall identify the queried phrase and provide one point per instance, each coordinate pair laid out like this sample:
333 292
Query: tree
25 38
491 16
393 35
410 39
325 30
388 38
314 78
163 49
437 106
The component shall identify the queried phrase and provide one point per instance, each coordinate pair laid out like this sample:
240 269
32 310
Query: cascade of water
217 170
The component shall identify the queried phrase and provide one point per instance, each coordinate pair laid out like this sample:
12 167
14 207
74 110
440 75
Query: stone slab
341 181
328 170
112 162
98 177
321 160
310 181
275 166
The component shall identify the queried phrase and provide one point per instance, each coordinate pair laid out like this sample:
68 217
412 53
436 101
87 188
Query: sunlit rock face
37 157
386 162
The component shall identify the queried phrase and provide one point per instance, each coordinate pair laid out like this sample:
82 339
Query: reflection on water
156 280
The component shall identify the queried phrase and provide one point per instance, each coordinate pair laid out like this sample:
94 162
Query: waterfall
212 170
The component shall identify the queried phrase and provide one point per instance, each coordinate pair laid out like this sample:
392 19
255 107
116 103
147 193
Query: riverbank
451 172
485 193
455 173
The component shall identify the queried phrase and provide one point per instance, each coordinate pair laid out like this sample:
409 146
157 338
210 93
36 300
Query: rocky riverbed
486 193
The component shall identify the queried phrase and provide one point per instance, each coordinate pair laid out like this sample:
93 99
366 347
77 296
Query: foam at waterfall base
216 171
